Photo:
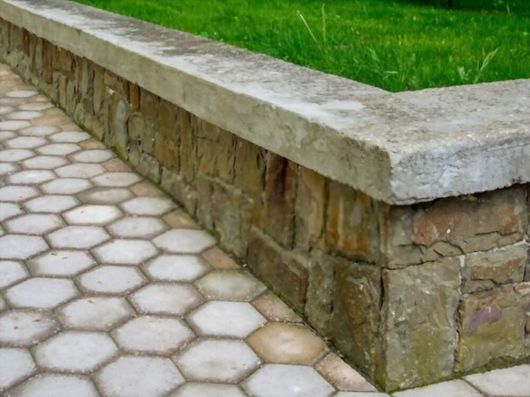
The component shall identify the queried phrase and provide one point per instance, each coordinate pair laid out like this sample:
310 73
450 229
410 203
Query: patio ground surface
108 288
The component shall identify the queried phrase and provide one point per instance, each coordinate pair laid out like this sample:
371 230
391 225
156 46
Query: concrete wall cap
400 148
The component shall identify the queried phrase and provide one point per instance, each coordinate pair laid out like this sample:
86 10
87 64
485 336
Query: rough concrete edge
370 165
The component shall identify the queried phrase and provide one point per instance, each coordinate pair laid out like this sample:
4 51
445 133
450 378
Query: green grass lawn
394 44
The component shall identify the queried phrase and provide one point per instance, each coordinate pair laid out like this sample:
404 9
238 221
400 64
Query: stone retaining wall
410 294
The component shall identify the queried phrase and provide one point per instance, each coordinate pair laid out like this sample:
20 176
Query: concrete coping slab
399 148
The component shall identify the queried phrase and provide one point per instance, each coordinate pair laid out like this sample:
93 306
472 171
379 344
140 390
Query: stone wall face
409 294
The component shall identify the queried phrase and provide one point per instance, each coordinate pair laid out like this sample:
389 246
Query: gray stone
51 385
501 382
451 388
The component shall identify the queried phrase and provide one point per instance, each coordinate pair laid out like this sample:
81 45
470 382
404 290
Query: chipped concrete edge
375 141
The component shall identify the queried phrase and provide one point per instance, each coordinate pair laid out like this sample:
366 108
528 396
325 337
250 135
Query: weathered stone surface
320 291
285 272
278 199
485 270
453 226
352 227
419 323
249 168
493 326
310 207
117 128
356 313
215 151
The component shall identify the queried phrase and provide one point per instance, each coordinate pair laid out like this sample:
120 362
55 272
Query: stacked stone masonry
409 294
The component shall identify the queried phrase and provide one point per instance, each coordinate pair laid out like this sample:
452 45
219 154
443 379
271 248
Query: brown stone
419 314
179 189
310 207
320 291
249 168
116 165
452 226
285 272
352 227
116 83
188 146
134 97
493 326
485 270
342 376
356 313
166 152
148 105
278 200
117 125
215 151
286 343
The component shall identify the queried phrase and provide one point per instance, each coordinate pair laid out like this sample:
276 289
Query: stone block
419 323
353 224
215 151
118 114
188 145
277 217
452 226
181 191
99 90
148 105
116 83
485 270
285 272
355 323
249 168
320 291
493 326
166 152
310 208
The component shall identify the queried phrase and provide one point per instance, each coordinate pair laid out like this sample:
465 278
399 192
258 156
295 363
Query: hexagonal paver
37 106
25 142
277 380
66 186
151 334
51 203
53 385
14 125
17 246
139 377
75 351
44 162
17 193
11 272
39 130
30 177
184 241
501 382
21 93
7 168
3 304
287 343
83 170
14 155
215 360
274 309
105 195
176 268
233 285
342 376
70 137
92 214
24 115
137 227
24 328
80 237
41 293
95 313
58 149
60 263
6 109
34 224
93 156
175 299
9 210
451 388
117 179
232 319
154 206
125 252
208 390
15 365
111 279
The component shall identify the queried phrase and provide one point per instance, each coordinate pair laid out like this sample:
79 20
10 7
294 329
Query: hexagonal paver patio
108 289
